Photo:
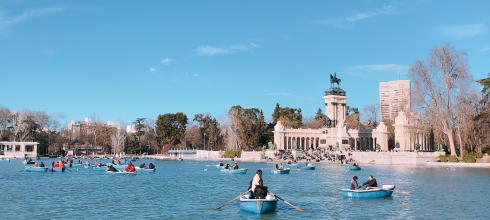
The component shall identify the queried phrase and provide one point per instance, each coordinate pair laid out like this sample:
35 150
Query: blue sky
121 60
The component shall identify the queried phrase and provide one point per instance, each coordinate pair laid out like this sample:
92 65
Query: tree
439 83
249 126
118 139
371 113
210 130
289 117
170 129
352 121
5 123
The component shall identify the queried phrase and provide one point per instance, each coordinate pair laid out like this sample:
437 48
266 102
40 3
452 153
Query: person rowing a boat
256 181
36 164
142 166
227 166
370 183
353 184
42 164
151 166
221 163
236 166
130 168
111 169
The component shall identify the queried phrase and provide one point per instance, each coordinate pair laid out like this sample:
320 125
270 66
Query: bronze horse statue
334 80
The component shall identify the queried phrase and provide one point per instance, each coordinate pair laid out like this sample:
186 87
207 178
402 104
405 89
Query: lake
191 189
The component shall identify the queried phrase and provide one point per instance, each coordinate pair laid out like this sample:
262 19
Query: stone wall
396 158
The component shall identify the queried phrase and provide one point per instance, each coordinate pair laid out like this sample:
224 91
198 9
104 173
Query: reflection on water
191 189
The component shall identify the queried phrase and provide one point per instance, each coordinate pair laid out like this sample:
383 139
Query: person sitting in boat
151 166
42 165
353 184
221 164
236 166
371 182
36 164
227 166
355 165
111 168
278 167
87 163
256 186
142 166
130 168
113 162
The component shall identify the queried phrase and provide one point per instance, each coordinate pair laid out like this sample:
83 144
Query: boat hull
99 168
238 171
120 173
57 169
309 168
354 168
119 167
142 170
36 169
282 172
258 206
366 194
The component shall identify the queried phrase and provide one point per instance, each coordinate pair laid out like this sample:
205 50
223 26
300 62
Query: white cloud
278 94
350 20
152 70
378 68
167 61
207 50
464 31
8 21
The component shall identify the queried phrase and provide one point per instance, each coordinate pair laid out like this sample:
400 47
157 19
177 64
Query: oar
298 209
226 203
403 192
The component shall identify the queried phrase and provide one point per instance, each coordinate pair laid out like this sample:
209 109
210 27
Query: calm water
190 190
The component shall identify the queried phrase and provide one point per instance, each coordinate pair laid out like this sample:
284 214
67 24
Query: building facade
18 149
334 135
394 96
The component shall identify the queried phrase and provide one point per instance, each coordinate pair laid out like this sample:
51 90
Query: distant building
78 128
18 149
394 96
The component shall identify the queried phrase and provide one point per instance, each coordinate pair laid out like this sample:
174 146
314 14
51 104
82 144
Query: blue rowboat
285 171
296 165
354 168
238 171
373 193
258 206
58 169
99 168
35 169
120 173
72 165
120 167
144 170
309 167
220 167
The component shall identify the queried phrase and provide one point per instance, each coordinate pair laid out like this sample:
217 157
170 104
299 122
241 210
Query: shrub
232 154
453 159
443 158
471 157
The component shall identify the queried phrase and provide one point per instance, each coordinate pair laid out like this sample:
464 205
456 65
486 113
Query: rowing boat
258 206
35 169
237 171
119 167
285 171
354 168
144 170
309 167
99 168
371 193
120 173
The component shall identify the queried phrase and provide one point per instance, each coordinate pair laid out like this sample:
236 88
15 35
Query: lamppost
204 141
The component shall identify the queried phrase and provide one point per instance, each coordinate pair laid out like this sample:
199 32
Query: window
345 141
9 147
17 147
323 141
29 148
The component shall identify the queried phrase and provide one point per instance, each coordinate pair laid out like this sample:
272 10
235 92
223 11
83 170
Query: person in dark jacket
353 184
142 166
151 166
371 182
